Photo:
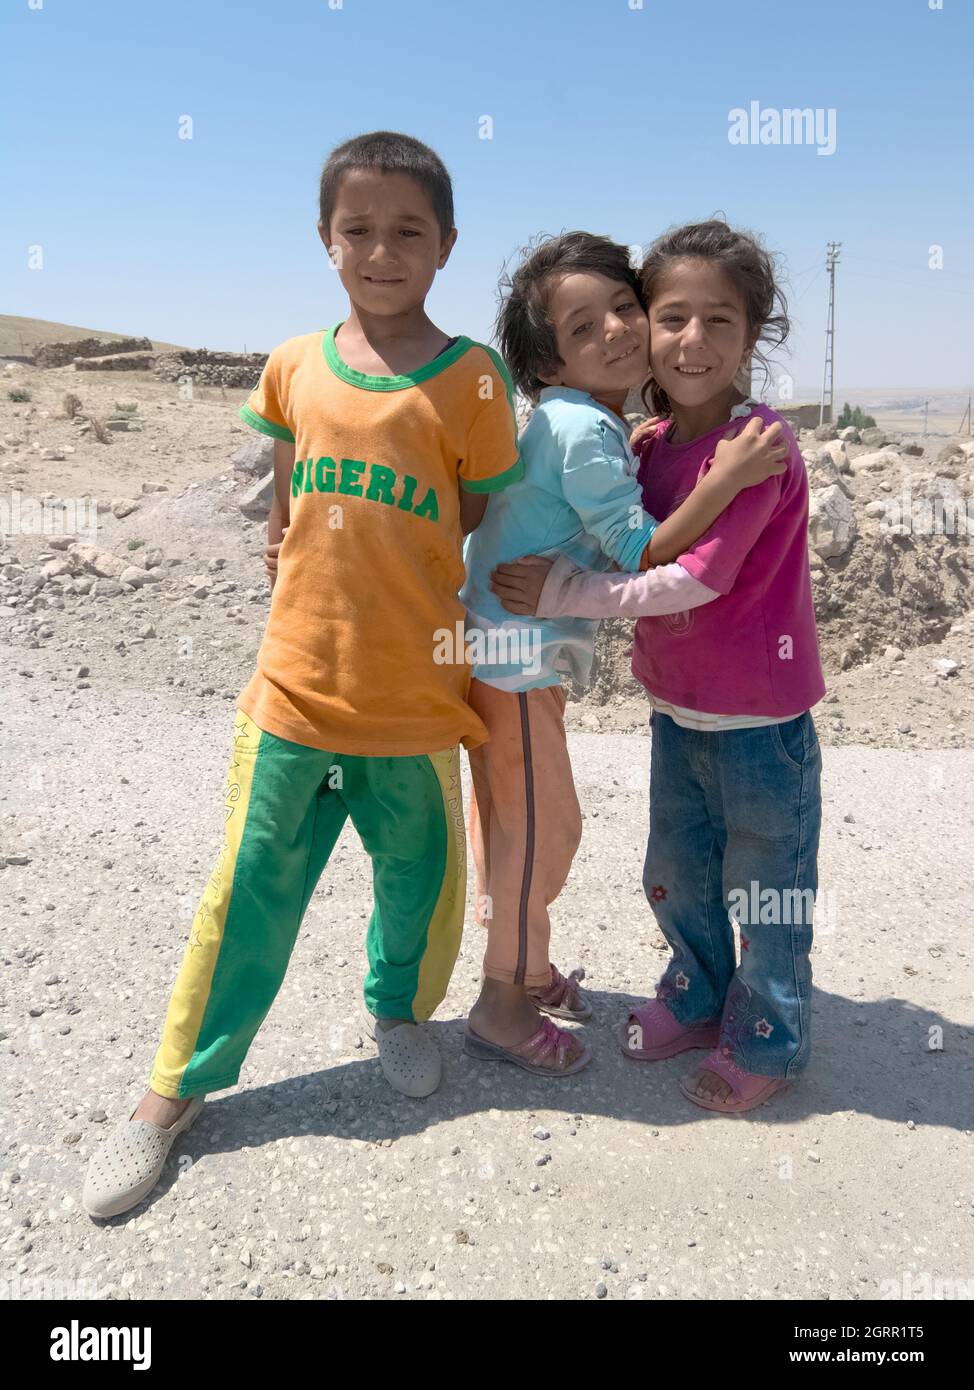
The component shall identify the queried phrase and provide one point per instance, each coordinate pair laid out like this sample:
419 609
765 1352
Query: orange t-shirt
352 659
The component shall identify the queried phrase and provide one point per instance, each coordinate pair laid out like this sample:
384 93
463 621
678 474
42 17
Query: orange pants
525 826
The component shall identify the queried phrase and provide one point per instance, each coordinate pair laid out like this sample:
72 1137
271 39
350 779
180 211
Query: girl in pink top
727 651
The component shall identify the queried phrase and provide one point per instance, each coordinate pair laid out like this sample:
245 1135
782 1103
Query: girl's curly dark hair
523 329
748 266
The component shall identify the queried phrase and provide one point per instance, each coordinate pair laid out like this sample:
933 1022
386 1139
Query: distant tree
856 417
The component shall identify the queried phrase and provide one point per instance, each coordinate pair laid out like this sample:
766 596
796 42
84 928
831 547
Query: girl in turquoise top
574 331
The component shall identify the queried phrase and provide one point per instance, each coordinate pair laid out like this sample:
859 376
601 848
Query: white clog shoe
130 1162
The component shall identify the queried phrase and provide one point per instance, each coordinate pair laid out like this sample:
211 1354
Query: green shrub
856 417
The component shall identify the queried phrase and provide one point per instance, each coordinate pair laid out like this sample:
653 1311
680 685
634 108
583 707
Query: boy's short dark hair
388 152
523 330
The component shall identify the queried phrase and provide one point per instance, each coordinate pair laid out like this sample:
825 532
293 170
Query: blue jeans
734 821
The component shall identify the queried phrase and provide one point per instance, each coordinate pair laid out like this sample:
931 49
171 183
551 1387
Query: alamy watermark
789 125
925 1287
44 1288
23 515
755 906
493 646
948 513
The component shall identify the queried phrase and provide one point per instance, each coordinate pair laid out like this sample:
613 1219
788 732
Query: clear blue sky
606 117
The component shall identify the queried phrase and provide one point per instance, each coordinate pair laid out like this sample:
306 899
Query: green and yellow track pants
285 808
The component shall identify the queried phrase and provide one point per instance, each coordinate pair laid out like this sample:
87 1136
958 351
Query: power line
814 281
884 260
911 284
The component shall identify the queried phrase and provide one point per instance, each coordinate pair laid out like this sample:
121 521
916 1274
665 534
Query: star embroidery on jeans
681 981
745 942
763 1028
658 893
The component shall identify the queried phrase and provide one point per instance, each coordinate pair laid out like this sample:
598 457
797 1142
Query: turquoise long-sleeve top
579 497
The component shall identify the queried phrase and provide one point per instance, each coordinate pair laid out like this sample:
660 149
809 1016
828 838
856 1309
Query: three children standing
390 440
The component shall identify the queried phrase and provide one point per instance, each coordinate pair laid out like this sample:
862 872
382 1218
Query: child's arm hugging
280 514
743 458
597 484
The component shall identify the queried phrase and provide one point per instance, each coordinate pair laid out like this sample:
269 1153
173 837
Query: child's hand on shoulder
644 430
753 453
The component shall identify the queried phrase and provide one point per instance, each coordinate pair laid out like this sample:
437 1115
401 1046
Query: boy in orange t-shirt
389 436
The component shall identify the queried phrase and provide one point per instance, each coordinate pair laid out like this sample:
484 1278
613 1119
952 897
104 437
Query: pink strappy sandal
748 1090
563 998
545 1053
651 1034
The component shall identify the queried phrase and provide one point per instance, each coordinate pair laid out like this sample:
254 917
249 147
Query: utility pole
967 422
828 383
925 406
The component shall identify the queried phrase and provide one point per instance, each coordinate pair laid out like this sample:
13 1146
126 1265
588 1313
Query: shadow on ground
871 1058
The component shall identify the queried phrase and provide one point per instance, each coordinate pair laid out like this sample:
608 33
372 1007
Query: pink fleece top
754 649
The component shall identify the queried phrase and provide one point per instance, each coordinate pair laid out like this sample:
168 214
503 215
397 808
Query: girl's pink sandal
651 1034
748 1090
545 1053
563 998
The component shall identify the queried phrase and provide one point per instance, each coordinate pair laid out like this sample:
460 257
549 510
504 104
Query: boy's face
602 334
698 332
385 241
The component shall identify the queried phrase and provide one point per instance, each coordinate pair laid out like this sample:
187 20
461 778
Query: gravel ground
314 1180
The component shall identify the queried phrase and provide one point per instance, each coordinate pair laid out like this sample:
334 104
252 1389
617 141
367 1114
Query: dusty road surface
314 1180
119 666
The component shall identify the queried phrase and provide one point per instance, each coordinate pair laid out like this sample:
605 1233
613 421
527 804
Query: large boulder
99 562
256 501
839 454
824 472
255 456
137 577
831 522
875 438
876 461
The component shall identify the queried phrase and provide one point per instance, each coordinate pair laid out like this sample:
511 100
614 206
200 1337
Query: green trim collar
388 383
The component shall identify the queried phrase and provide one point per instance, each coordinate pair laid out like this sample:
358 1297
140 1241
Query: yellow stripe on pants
446 924
191 991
